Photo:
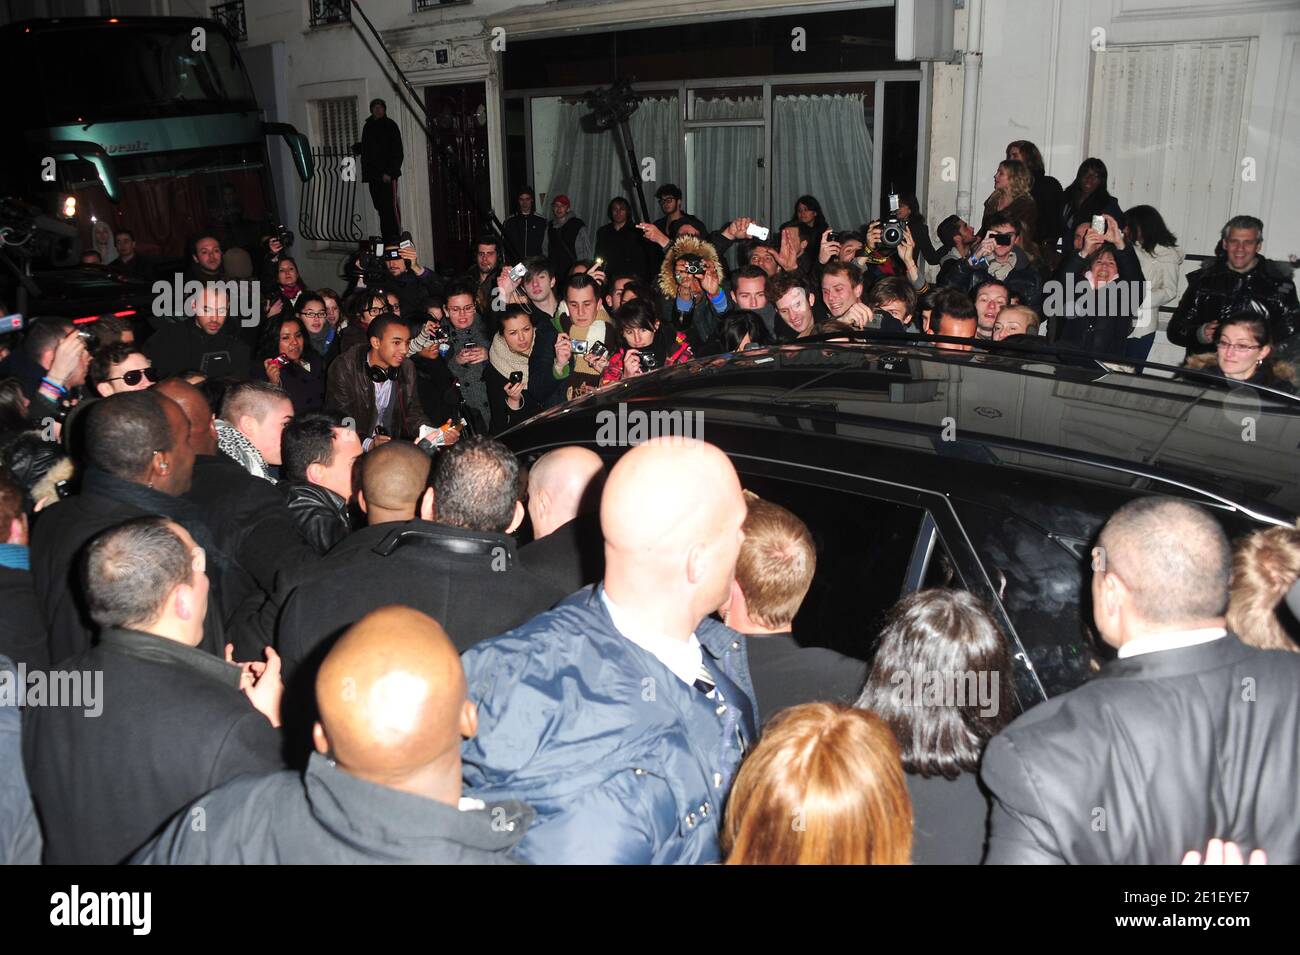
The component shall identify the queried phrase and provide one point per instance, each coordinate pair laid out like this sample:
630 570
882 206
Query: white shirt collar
684 659
1170 640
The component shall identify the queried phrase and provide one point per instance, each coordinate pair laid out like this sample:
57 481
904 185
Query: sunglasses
133 377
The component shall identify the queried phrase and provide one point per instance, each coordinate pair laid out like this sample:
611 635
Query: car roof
1224 442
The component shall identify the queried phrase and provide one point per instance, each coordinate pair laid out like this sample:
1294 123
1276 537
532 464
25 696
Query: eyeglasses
376 310
1233 346
314 314
133 376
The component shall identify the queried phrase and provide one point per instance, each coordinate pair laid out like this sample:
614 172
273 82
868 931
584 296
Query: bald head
203 433
562 484
1171 558
671 514
394 478
392 701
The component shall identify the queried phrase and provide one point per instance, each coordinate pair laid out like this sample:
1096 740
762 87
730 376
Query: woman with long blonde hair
1011 196
824 786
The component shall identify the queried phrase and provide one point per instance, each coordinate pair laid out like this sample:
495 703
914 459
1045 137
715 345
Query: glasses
133 376
1234 346
314 314
460 309
376 310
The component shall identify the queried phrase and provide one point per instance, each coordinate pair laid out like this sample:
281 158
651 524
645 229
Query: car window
864 548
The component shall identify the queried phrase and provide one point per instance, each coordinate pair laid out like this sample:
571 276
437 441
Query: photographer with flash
691 282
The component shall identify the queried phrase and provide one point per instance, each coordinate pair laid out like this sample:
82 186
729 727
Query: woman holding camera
998 255
650 344
523 363
288 360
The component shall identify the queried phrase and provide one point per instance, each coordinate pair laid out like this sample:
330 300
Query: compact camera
579 346
694 264
597 350
648 360
516 377
90 337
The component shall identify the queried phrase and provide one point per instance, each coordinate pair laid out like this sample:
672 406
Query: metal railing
328 210
326 12
422 5
231 16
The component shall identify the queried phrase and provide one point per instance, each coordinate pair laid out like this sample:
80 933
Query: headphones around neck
380 375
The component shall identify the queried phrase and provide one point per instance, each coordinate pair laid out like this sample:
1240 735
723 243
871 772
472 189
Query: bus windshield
146 71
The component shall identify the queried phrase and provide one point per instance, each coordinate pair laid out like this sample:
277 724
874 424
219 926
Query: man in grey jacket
1189 735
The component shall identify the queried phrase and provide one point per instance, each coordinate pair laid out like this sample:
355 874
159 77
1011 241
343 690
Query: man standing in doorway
381 166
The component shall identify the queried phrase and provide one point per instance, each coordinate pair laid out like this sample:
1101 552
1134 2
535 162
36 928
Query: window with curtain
724 175
821 146
589 167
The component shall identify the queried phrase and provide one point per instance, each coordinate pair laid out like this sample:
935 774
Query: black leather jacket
1216 291
321 515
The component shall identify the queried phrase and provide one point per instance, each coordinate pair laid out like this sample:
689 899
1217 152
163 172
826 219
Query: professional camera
278 231
891 230
368 261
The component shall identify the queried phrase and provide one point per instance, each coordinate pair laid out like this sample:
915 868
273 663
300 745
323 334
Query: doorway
458 161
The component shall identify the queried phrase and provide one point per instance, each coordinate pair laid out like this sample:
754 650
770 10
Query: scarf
234 445
322 340
506 361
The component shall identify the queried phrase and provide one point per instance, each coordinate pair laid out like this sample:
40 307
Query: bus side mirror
299 148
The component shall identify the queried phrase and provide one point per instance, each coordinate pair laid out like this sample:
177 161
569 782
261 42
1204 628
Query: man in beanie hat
567 240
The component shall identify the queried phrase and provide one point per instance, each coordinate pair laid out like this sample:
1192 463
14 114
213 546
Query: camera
369 260
1002 238
90 337
579 346
278 231
597 350
281 360
891 230
648 360
695 265
516 377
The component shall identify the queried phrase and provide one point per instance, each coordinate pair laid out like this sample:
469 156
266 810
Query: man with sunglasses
998 255
121 368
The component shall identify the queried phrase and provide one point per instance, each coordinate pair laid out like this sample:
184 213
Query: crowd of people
338 620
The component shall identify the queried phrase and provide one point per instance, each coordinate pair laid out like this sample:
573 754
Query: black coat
320 514
1105 326
624 251
1216 291
23 634
183 346
61 533
469 581
1156 755
527 234
949 819
381 149
571 556
306 389
326 816
174 724
787 674
253 527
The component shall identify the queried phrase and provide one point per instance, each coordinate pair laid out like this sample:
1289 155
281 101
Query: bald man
461 569
384 782
564 488
249 517
1189 735
621 715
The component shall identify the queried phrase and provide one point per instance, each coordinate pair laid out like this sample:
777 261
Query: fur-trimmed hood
1280 370
685 245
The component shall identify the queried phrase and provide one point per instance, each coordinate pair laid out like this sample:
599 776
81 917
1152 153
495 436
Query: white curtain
589 167
822 147
725 178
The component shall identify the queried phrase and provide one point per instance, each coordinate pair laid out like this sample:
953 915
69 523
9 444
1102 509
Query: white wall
1036 78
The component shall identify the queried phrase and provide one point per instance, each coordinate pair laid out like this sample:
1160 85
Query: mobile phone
1099 224
759 232
517 272
11 323
516 377
597 263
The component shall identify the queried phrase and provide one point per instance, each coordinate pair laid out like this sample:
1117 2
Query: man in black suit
564 488
166 723
1188 736
773 573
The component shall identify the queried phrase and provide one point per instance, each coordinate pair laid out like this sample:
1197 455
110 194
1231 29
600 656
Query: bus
143 123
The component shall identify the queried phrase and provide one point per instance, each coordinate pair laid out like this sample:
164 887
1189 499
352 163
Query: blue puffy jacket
621 760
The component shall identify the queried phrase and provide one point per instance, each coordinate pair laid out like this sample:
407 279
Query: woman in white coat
1162 264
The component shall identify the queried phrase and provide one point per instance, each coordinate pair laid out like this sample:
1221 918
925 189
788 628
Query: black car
990 470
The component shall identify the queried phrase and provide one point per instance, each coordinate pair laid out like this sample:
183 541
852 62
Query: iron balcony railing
231 16
325 12
328 212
